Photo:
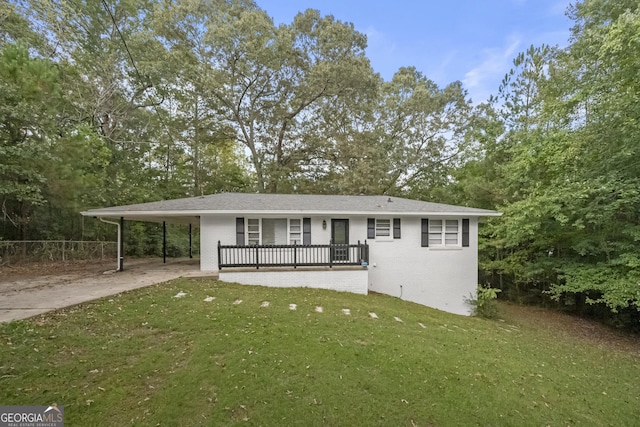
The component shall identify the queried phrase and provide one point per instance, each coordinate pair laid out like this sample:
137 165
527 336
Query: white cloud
379 41
483 79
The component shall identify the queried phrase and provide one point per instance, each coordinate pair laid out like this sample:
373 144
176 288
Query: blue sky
473 41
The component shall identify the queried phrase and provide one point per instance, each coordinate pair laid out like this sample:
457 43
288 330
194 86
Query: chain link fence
24 251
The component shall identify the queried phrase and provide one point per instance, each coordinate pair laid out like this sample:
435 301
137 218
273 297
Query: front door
340 236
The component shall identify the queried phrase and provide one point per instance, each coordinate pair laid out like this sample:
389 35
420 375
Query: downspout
119 237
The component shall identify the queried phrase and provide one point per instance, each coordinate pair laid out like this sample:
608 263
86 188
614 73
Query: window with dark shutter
239 231
371 228
425 233
396 228
306 231
465 232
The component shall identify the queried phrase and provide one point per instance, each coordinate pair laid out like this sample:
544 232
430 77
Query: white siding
214 228
320 236
441 278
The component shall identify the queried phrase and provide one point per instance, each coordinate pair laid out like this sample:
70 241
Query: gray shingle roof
283 203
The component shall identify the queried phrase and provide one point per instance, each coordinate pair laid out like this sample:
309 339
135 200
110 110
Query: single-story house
418 251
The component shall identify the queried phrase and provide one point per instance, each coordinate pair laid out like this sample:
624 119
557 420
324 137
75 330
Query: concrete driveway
26 297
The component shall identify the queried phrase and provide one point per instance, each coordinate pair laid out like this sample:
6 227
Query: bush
485 304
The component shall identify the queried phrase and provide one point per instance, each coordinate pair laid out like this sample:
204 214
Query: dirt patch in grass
39 269
566 325
79 268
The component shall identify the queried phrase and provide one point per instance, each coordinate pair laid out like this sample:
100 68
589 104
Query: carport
141 212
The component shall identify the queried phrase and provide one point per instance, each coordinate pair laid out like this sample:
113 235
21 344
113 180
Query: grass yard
147 358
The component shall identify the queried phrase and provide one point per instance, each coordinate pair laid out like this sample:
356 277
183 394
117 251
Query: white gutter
119 234
192 213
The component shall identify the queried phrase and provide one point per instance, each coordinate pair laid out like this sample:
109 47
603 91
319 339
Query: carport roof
187 210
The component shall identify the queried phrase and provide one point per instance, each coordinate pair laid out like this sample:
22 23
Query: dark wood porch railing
292 255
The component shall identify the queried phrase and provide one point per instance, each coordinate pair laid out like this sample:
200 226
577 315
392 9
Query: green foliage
485 302
564 172
423 132
29 95
14 28
146 239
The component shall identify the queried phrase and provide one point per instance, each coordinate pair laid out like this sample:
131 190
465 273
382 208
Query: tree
29 95
401 137
13 26
604 178
567 167
266 82
422 128
95 42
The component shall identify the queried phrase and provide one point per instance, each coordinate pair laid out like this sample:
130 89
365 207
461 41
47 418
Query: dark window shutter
425 233
371 228
396 228
240 231
306 231
465 232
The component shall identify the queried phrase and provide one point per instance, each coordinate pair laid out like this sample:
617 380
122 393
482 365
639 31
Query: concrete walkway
24 298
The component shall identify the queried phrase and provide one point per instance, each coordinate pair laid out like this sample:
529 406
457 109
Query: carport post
121 231
190 251
164 242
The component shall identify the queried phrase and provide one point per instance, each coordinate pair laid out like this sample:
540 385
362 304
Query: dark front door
340 236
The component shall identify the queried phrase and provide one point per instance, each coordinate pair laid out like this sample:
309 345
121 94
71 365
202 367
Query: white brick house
418 251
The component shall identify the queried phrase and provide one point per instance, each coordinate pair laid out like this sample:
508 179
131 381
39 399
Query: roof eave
192 213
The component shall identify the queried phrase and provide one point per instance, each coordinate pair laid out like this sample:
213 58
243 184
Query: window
383 227
451 232
444 232
253 231
295 232
274 231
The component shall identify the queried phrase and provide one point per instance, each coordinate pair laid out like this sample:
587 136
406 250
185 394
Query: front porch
257 256
339 267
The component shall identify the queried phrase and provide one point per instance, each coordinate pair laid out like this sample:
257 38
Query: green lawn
147 358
